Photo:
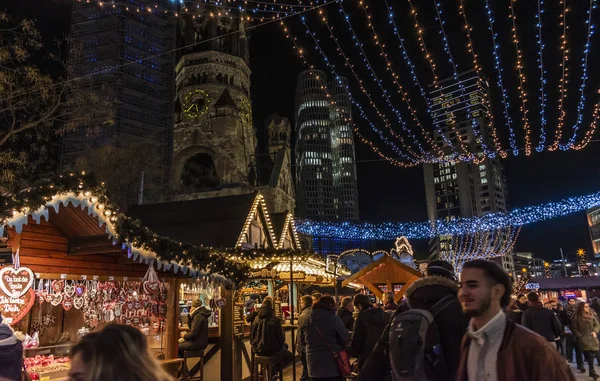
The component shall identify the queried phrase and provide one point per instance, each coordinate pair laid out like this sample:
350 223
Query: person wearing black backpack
266 334
435 298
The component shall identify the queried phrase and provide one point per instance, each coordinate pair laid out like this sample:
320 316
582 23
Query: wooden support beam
229 369
398 296
374 289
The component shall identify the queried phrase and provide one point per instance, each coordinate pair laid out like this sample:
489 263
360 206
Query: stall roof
568 283
210 222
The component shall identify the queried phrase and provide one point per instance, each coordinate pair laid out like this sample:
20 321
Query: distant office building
464 189
325 162
127 55
593 216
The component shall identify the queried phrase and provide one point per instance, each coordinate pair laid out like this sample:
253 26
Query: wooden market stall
385 274
238 221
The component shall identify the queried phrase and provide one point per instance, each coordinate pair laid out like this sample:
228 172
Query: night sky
388 193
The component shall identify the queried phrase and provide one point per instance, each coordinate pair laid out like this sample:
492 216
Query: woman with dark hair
585 327
117 353
323 336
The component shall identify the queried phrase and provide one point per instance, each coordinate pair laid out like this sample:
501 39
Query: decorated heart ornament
15 283
80 289
69 290
17 308
56 299
58 285
67 304
48 298
78 302
151 288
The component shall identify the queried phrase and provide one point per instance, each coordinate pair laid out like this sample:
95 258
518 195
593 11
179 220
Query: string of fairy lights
456 227
410 131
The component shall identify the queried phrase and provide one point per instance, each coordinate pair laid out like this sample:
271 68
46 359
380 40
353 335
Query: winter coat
523 356
319 357
266 333
582 328
368 327
542 321
596 308
302 323
562 316
514 315
11 354
346 317
197 338
390 306
451 322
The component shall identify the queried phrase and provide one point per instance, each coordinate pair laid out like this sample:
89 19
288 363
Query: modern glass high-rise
593 216
464 189
126 52
325 162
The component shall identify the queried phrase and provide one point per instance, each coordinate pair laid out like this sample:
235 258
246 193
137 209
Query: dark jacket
197 337
582 329
514 315
451 322
562 316
302 323
346 317
523 356
596 308
319 356
11 354
368 327
391 306
541 321
266 334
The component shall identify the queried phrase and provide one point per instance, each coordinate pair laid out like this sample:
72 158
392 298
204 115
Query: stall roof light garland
229 263
421 230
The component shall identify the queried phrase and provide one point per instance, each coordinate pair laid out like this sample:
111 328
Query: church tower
214 140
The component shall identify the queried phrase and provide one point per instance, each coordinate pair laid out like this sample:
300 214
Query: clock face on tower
196 102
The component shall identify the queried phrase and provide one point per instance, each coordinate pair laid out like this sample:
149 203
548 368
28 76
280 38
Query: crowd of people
443 329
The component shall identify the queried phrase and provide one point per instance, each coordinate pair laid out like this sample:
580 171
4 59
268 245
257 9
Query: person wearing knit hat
11 353
197 337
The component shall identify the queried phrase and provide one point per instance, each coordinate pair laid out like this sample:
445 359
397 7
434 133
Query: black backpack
415 351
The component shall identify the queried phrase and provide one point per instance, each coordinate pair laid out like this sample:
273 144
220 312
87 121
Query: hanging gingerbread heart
151 287
156 326
118 309
78 302
69 289
49 298
80 289
67 304
109 316
58 285
56 299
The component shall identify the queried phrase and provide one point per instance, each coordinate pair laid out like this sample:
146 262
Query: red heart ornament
67 304
15 283
151 288
15 309
58 285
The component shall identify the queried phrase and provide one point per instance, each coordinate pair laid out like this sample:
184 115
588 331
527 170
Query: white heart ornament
57 299
16 282
78 303
69 290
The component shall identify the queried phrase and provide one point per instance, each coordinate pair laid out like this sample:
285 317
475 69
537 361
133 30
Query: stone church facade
215 141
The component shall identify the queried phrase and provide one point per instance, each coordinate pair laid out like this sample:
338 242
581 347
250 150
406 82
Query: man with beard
571 339
494 347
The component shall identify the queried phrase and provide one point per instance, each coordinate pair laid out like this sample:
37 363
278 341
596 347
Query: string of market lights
463 226
562 84
501 80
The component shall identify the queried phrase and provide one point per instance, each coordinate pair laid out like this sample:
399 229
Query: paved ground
579 375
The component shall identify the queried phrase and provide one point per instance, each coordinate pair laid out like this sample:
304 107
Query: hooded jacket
523 356
541 321
346 317
11 354
266 333
197 337
333 336
368 327
451 322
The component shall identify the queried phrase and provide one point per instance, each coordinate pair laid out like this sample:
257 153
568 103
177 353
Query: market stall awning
575 283
386 271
